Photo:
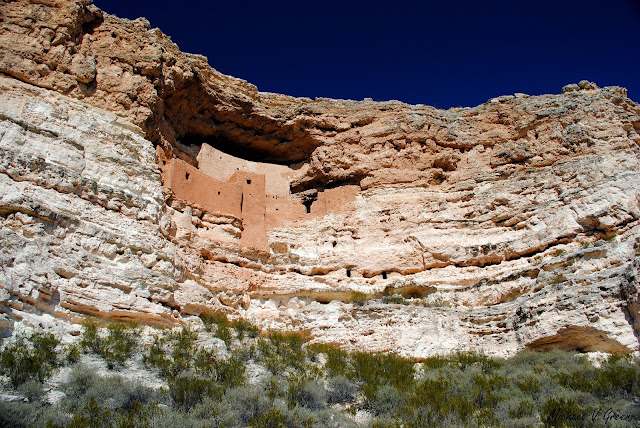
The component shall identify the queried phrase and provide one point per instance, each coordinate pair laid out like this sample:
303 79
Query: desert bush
271 418
397 299
174 353
485 389
116 347
435 362
466 359
337 363
241 405
93 414
119 344
72 353
155 355
91 341
187 390
282 351
112 392
183 349
341 389
309 394
359 298
619 375
461 389
29 359
436 402
522 409
218 323
386 401
18 414
245 328
230 372
558 411
168 417
33 390
528 384
374 370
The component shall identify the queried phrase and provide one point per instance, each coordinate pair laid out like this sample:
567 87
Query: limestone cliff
138 183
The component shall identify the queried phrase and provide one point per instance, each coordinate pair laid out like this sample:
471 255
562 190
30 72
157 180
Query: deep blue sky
441 53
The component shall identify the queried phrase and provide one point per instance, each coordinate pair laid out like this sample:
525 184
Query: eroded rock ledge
508 225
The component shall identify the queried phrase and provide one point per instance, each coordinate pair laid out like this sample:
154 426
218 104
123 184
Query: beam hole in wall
248 181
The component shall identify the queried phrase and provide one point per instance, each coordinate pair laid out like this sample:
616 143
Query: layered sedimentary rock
138 183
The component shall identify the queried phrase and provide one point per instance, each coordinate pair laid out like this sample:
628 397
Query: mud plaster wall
222 166
254 232
338 199
192 185
245 195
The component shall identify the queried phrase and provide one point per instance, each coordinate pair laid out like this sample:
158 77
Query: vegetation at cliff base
223 373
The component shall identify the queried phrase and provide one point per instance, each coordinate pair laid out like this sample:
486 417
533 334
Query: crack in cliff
27 126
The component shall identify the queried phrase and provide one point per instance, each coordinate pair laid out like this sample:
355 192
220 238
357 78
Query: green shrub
435 362
375 370
359 298
619 375
466 359
155 355
72 354
282 351
273 418
183 350
341 389
92 415
119 345
309 394
32 359
188 390
245 328
485 389
230 373
436 402
244 404
18 414
91 341
219 324
387 400
116 347
113 392
32 390
337 363
523 409
529 384
560 412
397 299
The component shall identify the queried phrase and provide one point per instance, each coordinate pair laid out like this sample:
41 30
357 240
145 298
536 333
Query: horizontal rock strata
373 225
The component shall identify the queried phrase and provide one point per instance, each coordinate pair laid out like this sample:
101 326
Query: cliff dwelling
258 194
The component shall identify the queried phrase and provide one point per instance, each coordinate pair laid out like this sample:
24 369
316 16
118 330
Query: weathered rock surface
512 224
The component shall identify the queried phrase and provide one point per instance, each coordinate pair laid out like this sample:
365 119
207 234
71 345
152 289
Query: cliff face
138 183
